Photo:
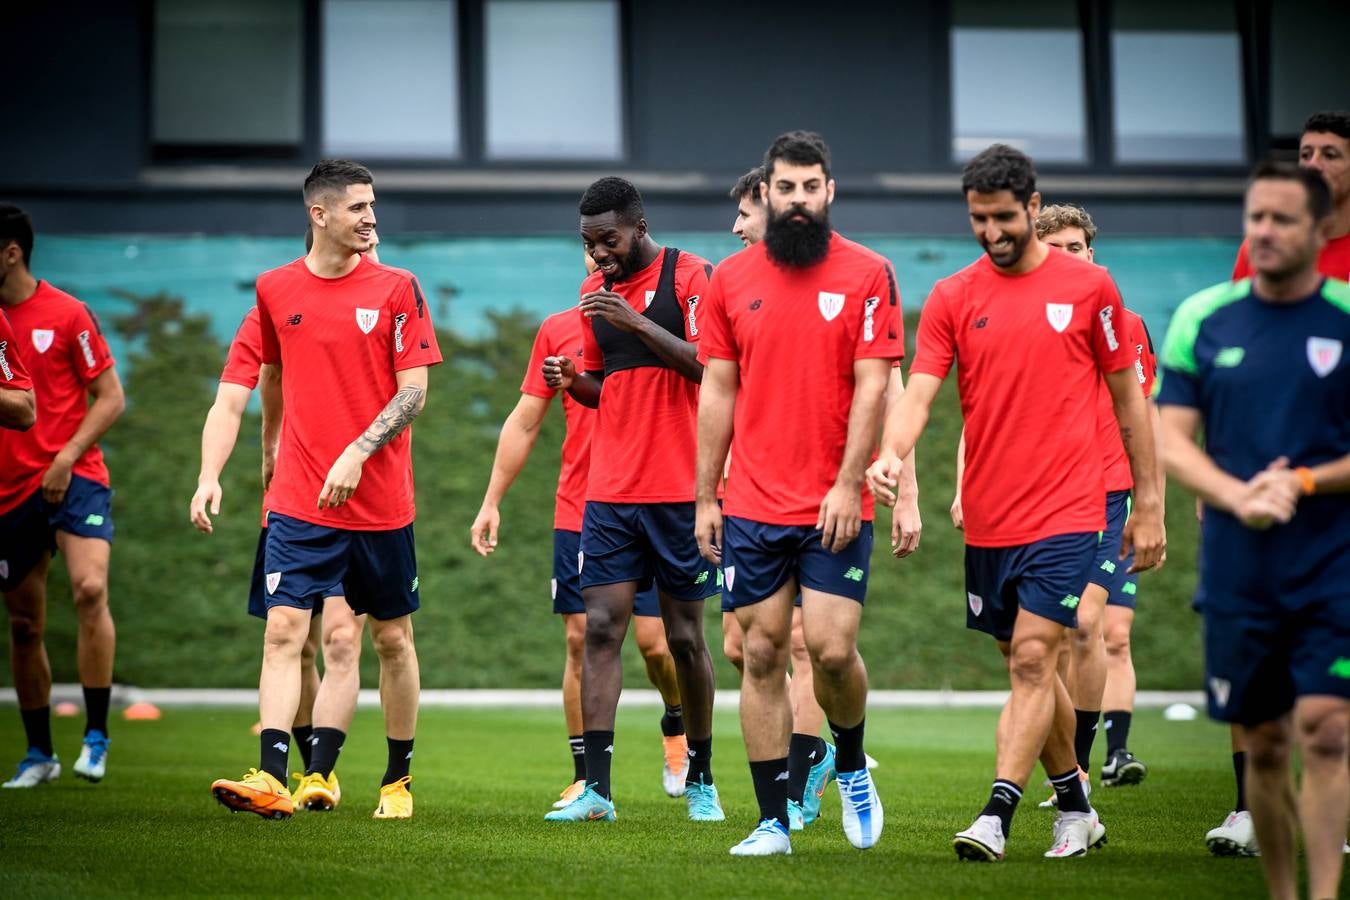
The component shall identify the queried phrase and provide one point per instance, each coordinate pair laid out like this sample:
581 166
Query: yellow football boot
257 792
395 800
316 793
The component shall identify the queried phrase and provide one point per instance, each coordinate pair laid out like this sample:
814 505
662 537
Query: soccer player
639 315
1032 331
339 630
18 408
1324 147
560 335
796 510
1258 366
54 495
346 344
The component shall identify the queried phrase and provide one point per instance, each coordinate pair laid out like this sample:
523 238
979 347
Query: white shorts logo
1059 315
730 573
1220 688
87 350
366 319
42 339
869 309
693 322
1323 355
1108 329
553 582
976 603
581 561
647 300
273 579
4 568
831 305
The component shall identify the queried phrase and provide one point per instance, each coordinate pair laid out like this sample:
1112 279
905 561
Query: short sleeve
414 341
935 346
1242 267
715 340
1148 360
882 335
534 383
13 375
593 359
1178 382
245 355
89 353
690 290
1108 328
269 351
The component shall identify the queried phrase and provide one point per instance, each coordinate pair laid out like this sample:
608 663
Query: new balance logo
281 747
1108 567
294 319
412 588
981 321
93 519
757 304
781 776
702 577
1069 601
609 749
854 574
811 755
1340 668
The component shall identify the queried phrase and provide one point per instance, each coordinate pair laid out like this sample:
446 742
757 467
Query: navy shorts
1109 572
1261 656
566 583
375 570
28 531
1044 577
758 559
647 543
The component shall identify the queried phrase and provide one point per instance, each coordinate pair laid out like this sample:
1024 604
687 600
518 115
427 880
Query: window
1309 68
227 73
1177 83
390 79
1017 77
554 80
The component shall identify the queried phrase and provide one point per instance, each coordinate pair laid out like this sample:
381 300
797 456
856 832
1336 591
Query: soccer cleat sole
239 803
1129 774
1229 849
972 850
89 777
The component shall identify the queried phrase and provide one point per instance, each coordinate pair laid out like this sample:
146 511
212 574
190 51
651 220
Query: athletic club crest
581 561
366 319
273 579
976 603
831 305
42 339
1323 355
729 576
647 299
1059 315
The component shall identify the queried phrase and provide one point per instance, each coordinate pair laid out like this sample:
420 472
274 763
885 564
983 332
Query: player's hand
342 479
882 477
56 480
840 517
483 532
559 372
958 514
1144 533
1278 482
906 527
708 530
613 308
207 496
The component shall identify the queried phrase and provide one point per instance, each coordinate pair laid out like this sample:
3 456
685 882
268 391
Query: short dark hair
1329 121
1316 188
17 226
748 184
613 194
999 167
801 148
334 175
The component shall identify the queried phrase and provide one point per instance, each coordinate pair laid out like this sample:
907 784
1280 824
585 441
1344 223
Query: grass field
484 779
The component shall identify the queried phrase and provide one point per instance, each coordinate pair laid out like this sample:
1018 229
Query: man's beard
797 243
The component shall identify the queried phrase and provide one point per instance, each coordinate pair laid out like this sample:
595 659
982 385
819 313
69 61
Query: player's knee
1118 643
731 648
309 653
1268 747
576 644
764 657
392 642
25 630
90 593
833 658
283 637
604 630
341 648
797 646
1323 737
1032 661
684 642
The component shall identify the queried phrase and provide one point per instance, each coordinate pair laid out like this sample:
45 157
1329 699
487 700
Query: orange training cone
66 709
142 712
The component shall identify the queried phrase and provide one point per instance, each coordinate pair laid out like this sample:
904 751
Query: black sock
96 701
1069 790
1085 730
771 780
700 762
37 724
304 742
1240 773
1117 723
578 748
804 751
276 751
848 747
599 750
1003 799
672 721
400 760
326 747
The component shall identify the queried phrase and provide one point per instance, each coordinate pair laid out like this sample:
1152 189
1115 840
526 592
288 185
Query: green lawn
484 779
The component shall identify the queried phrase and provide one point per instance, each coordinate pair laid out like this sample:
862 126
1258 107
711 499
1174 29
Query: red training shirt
560 335
1333 261
1116 472
646 433
12 372
245 356
340 342
1031 350
791 419
63 350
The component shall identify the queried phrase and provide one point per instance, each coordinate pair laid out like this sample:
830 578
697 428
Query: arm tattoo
396 416
1126 438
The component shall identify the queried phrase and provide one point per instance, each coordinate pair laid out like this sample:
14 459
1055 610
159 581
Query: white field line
487 698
